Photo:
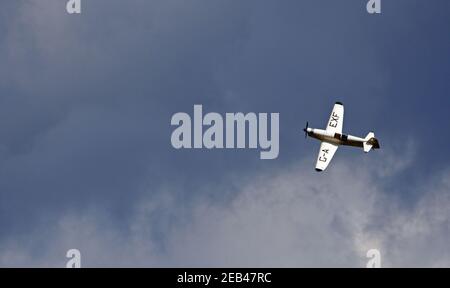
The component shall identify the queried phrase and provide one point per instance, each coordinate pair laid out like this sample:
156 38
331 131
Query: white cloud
291 218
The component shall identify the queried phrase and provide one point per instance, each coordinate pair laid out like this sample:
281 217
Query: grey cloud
85 107
288 218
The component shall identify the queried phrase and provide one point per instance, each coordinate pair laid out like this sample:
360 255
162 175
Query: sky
86 160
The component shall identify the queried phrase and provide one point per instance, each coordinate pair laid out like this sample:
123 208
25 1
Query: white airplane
332 137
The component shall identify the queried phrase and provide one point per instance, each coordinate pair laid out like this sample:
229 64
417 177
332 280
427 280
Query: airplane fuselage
335 138
332 137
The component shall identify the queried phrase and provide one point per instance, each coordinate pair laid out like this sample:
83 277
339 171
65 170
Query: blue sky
85 154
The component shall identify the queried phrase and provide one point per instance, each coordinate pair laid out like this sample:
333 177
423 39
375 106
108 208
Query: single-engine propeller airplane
332 137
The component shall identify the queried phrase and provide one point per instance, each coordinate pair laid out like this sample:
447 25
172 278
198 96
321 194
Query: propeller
306 129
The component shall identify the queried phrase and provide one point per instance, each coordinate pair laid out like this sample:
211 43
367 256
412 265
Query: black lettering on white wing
336 119
326 153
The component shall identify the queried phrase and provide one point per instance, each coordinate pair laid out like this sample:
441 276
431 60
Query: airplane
332 137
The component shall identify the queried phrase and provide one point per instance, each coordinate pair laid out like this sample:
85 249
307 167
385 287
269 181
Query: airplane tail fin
370 142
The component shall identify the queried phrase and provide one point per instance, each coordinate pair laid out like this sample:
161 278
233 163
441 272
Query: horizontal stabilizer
370 142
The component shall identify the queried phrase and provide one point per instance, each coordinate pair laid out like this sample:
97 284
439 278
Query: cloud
85 158
85 105
418 236
293 217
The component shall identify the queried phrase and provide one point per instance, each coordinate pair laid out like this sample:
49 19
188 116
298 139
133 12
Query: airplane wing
326 153
336 121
